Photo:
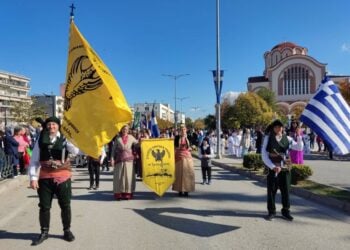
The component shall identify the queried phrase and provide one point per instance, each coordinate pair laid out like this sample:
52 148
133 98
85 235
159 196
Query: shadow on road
88 179
324 156
24 236
95 196
190 226
232 196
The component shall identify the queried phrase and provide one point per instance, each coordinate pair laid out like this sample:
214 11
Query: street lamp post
217 74
175 77
181 99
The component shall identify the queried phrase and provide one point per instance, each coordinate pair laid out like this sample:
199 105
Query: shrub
253 161
300 172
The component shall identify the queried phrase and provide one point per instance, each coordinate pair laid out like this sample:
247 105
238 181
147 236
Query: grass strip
325 190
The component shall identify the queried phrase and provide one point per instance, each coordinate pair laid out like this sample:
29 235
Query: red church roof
284 45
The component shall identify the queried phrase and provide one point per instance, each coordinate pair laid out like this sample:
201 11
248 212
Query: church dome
284 45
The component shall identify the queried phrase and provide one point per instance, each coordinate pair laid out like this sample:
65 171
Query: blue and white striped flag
328 115
154 125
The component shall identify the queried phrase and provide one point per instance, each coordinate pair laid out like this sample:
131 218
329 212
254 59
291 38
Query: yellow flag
95 108
158 164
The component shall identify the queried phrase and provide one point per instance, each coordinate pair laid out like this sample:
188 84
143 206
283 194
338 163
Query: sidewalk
8 184
320 168
333 173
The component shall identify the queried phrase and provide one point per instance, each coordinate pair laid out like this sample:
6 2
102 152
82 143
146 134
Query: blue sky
139 40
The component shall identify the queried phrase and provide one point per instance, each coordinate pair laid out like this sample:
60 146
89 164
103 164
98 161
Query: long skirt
124 177
297 157
184 175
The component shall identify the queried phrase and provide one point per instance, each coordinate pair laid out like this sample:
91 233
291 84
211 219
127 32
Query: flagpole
218 79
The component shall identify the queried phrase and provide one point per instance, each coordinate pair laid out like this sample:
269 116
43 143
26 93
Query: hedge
300 172
254 162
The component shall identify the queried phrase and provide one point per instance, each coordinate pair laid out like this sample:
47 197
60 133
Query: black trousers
22 169
63 191
206 169
282 182
94 172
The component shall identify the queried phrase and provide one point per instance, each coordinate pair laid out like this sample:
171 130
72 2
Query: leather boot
68 235
43 236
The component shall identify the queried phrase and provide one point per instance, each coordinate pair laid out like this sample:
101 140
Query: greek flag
328 115
154 125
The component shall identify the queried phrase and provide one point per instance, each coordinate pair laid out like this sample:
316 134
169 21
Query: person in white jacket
230 150
237 138
297 149
274 152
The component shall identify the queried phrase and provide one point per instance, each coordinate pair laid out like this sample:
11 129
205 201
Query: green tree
269 97
26 112
20 111
37 110
164 124
188 122
210 122
249 110
198 124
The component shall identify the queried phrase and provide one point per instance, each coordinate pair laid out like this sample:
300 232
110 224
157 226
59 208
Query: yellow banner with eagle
158 164
95 108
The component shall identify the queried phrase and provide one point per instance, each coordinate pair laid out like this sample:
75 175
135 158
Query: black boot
286 215
68 235
43 236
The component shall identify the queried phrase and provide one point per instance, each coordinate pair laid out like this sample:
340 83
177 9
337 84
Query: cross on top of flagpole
72 7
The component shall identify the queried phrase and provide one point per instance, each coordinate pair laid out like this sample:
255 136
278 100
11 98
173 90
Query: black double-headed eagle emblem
158 156
84 78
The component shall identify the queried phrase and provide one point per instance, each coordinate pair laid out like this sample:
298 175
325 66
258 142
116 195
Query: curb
323 200
12 183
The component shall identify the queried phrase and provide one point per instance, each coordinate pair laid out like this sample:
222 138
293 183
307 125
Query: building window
296 80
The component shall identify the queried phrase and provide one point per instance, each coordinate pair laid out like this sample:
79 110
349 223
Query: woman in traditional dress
297 151
122 160
184 172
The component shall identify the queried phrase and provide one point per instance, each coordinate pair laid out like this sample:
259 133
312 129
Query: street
229 214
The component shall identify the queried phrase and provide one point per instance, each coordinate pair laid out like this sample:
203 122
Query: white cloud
345 47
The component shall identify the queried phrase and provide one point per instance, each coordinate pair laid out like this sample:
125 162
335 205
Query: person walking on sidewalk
245 142
11 150
274 154
205 154
22 147
94 169
297 152
50 174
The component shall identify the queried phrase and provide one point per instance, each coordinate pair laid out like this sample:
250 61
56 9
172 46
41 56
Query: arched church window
296 80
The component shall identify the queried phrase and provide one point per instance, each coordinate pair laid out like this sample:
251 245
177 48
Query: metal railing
6 169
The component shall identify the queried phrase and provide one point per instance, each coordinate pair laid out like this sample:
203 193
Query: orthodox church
292 75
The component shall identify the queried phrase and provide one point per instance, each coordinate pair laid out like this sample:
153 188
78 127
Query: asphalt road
229 214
